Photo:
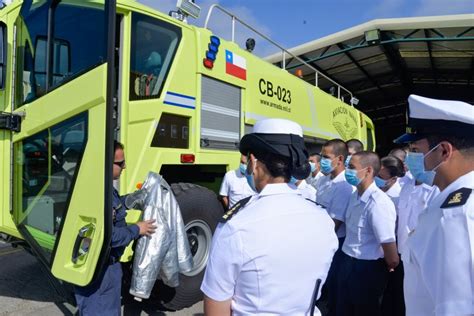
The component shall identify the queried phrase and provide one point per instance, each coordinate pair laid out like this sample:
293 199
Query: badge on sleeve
234 209
457 198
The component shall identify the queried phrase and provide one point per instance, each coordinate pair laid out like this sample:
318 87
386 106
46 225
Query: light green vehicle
178 97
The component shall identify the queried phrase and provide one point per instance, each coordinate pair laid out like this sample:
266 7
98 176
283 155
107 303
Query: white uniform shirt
235 187
307 191
394 194
408 178
268 257
334 195
370 222
439 261
314 180
412 201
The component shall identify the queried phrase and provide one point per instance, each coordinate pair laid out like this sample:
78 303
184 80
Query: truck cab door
6 224
60 187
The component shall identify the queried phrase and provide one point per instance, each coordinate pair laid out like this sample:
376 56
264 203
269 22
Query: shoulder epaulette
234 209
457 198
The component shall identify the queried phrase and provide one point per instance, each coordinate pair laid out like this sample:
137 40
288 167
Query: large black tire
201 211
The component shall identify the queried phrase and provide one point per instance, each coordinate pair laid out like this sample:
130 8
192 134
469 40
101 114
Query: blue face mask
348 159
379 182
293 180
313 166
326 165
249 177
416 165
243 168
352 178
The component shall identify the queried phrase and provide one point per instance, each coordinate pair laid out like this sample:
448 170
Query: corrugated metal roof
430 56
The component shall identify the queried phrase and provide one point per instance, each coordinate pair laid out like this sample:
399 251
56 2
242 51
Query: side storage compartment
220 115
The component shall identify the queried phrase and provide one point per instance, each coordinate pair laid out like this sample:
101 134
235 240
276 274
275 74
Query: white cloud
220 24
443 7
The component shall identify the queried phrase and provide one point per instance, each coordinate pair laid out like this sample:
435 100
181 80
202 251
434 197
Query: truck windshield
79 44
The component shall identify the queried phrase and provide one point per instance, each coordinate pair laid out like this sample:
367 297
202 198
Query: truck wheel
201 211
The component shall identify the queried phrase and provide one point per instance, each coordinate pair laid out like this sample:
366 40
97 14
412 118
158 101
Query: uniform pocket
452 212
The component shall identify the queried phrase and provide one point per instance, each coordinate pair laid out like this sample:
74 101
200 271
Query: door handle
82 243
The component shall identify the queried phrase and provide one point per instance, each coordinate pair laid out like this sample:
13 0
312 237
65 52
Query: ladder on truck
285 52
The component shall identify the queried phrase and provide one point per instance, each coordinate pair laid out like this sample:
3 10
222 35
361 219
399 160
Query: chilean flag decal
235 65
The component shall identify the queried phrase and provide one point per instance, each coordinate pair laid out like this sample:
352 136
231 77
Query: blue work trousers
361 284
103 296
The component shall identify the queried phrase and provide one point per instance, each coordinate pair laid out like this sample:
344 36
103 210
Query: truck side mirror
3 44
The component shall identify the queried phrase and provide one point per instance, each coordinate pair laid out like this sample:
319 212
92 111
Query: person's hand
392 264
146 227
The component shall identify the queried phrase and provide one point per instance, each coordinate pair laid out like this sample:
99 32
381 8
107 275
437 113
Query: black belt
363 260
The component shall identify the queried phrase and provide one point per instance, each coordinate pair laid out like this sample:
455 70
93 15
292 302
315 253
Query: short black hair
339 147
355 144
369 159
118 145
393 165
317 155
399 153
277 165
464 145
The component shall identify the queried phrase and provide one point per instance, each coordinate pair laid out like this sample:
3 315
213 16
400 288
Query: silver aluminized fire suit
165 253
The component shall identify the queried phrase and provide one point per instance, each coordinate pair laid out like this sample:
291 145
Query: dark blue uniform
102 297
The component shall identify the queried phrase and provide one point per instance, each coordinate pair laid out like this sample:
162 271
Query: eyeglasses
121 164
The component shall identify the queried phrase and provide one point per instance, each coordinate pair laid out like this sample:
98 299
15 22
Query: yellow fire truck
76 74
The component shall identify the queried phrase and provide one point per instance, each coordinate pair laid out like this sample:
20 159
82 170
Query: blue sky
294 22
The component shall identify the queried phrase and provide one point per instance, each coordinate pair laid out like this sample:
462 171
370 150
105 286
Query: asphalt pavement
26 290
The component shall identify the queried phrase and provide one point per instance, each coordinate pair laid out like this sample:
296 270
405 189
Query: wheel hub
199 237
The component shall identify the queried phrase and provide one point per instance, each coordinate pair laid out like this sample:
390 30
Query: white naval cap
277 126
428 116
281 137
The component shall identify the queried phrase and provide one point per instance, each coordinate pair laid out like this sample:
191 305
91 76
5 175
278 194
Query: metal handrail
283 50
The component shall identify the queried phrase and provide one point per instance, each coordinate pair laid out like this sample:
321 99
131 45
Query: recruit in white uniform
370 222
235 187
439 254
369 249
412 201
307 191
256 256
314 180
439 261
334 195
270 253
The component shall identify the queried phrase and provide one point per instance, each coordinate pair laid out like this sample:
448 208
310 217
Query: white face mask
416 165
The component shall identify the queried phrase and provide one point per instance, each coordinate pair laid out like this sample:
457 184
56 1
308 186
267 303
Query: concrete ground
25 290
